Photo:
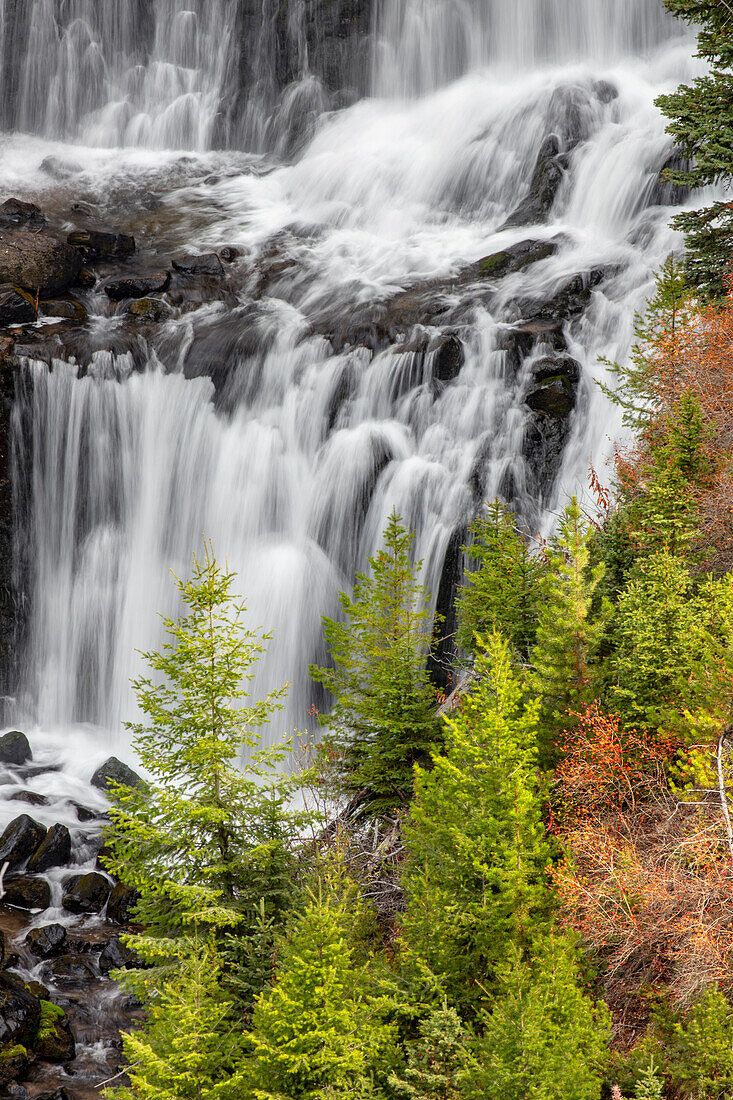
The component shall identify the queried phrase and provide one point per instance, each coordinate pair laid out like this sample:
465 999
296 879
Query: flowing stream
351 165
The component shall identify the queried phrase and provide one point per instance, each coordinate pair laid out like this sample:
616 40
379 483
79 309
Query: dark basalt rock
86 893
15 308
31 797
86 279
116 955
121 902
14 1065
99 244
543 188
562 365
54 851
554 397
46 941
15 212
448 356
207 264
149 309
85 813
229 254
137 286
27 892
68 971
665 193
516 258
15 748
569 300
38 263
12 1088
20 840
114 771
58 1047
20 1011
67 308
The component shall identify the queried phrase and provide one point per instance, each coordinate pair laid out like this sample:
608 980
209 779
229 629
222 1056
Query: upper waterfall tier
203 74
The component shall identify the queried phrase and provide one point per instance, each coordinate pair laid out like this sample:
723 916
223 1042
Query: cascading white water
294 467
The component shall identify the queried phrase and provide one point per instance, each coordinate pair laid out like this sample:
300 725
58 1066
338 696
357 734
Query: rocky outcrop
53 851
137 286
544 185
86 893
114 771
37 262
15 748
101 244
20 840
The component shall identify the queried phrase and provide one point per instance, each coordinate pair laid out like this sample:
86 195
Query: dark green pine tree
383 718
502 593
701 123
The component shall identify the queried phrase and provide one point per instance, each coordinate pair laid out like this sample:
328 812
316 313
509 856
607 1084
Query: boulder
60 169
229 254
31 797
20 1011
37 262
57 1042
12 1088
114 771
563 366
149 309
207 264
15 212
544 185
68 308
27 892
20 840
54 850
116 955
99 244
86 893
554 398
46 941
137 286
516 258
121 902
15 748
68 971
15 307
85 813
665 193
448 356
86 279
13 1064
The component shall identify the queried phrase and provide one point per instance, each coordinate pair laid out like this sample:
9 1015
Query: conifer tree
204 839
702 127
383 716
649 1086
502 593
438 1062
568 638
191 1047
545 1038
315 1029
476 853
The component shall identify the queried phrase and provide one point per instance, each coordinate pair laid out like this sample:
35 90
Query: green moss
48 1024
495 265
15 1050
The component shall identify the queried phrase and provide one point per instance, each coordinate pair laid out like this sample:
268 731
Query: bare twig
723 794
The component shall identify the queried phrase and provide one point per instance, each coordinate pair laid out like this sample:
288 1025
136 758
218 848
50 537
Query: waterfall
357 363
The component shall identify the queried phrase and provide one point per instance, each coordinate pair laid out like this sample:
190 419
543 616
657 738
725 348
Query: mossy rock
13 1063
54 1040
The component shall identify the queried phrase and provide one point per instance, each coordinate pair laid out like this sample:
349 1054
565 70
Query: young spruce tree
383 718
476 852
502 593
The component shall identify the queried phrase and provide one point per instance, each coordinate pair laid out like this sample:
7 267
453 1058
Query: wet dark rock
229 254
68 308
20 840
206 264
31 797
60 169
99 244
116 955
28 892
516 258
543 187
20 1011
86 893
84 813
54 850
114 771
13 1064
38 990
15 307
544 443
15 748
569 299
58 1046
14 1090
121 902
68 970
665 193
37 262
15 212
86 279
103 855
149 309
46 941
570 115
137 286
550 367
11 961
555 397
448 357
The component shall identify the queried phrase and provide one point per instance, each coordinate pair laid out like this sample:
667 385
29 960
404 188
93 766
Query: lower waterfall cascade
356 357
